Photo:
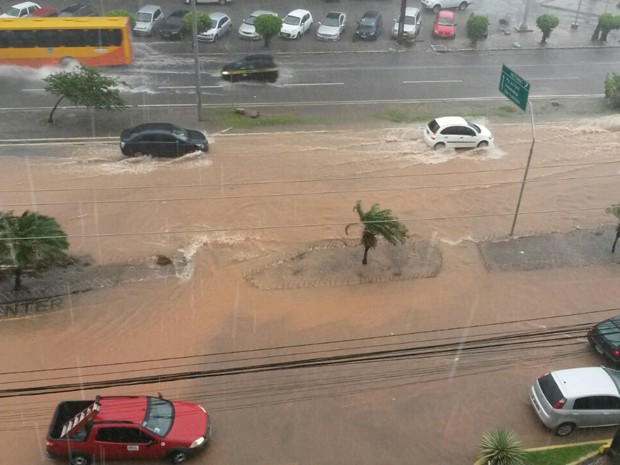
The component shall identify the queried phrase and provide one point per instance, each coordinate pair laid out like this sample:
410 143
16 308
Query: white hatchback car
247 30
20 10
577 398
437 5
295 24
457 132
220 24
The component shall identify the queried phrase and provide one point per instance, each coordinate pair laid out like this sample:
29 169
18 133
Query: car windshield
474 126
250 20
331 20
443 21
368 22
550 389
143 17
410 20
174 20
180 133
433 126
610 332
13 11
292 20
159 416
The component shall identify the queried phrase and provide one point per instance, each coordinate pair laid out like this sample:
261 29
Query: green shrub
501 447
612 89
132 19
477 28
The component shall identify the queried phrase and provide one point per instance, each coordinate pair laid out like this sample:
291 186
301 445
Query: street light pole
523 27
575 25
196 60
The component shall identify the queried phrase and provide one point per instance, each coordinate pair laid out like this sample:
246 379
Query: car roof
411 11
445 14
587 381
334 13
149 9
114 409
76 6
263 12
451 121
216 15
168 127
179 13
298 12
371 14
25 5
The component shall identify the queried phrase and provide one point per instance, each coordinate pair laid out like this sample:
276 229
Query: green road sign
514 87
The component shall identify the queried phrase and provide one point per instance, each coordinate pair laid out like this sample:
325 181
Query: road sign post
517 90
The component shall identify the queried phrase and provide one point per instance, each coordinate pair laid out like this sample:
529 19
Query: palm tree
615 210
31 242
377 221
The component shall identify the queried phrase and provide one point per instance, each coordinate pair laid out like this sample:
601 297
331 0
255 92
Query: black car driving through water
259 67
162 140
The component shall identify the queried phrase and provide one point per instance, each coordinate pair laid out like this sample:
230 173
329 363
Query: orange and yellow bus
36 42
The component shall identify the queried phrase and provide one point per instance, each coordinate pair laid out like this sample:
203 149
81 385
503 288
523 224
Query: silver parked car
577 398
220 24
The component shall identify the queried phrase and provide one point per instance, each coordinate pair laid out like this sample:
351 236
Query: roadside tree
203 22
85 86
378 222
501 447
615 210
121 13
606 23
547 23
612 89
31 242
477 28
268 26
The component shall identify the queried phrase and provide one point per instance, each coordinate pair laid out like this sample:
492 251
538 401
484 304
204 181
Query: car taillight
559 404
616 353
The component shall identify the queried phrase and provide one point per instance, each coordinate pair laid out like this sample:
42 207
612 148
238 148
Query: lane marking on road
33 90
314 84
432 82
189 87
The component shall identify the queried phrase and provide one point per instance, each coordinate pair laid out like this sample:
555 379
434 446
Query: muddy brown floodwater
256 231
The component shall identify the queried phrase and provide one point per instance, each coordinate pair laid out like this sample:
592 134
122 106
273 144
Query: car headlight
197 442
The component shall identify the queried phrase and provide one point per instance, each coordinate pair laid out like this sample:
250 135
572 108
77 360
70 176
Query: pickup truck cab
127 427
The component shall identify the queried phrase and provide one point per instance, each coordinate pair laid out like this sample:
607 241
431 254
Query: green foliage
501 447
31 242
85 86
614 210
203 22
608 22
561 455
378 222
612 89
547 23
121 13
477 27
268 26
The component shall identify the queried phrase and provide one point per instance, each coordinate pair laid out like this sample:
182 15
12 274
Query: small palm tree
501 447
378 222
31 242
615 210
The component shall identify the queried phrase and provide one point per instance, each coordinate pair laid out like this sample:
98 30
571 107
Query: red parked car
44 12
444 27
126 428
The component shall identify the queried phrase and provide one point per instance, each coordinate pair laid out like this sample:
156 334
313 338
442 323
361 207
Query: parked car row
21 10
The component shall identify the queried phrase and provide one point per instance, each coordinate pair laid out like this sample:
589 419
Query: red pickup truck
127 427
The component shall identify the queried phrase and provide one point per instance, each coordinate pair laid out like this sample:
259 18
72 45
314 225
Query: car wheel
215 37
178 456
439 146
462 6
565 429
436 9
483 143
78 458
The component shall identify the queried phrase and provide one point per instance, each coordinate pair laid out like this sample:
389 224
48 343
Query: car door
468 136
305 22
170 146
606 411
122 442
451 136
158 16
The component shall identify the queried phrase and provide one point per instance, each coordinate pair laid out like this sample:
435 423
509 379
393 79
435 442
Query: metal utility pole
524 27
196 60
575 25
527 169
401 20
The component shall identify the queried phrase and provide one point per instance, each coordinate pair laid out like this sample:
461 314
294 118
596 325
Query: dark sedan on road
369 26
605 339
259 67
172 26
162 140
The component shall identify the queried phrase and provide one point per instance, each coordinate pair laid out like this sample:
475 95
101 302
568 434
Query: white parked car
148 20
221 2
411 24
437 5
457 132
220 24
247 29
20 10
577 398
332 26
295 24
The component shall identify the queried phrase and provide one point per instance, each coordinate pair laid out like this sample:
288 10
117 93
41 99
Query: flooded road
317 372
